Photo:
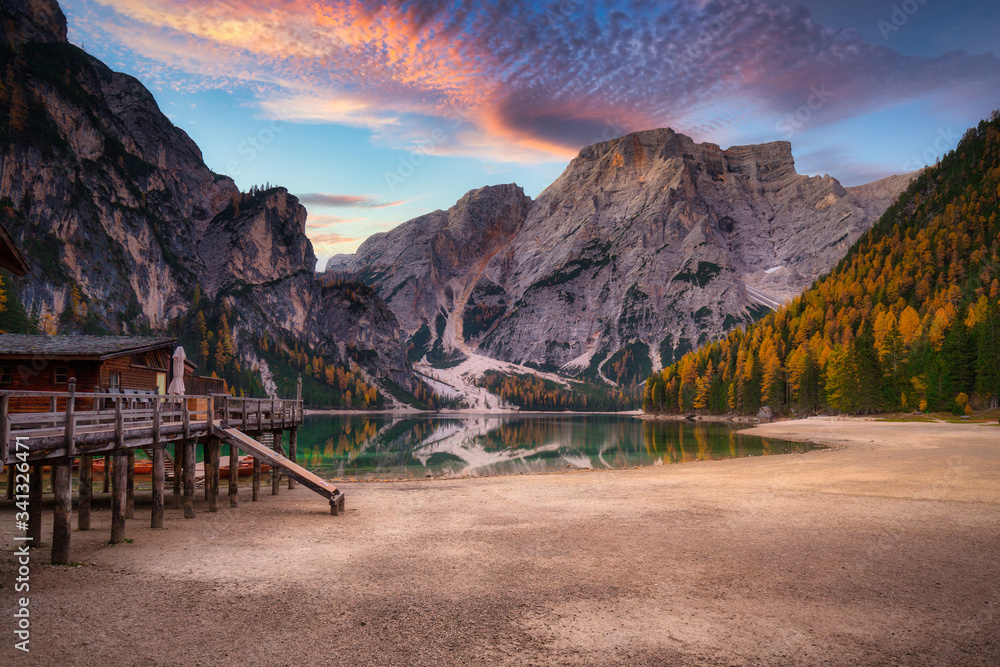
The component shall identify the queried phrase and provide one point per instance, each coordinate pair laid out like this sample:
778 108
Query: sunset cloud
538 82
356 201
534 82
331 244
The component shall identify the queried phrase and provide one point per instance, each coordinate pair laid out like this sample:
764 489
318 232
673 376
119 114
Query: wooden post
62 489
35 505
186 416
189 465
71 420
106 482
119 424
275 471
234 475
5 441
178 474
179 451
293 437
207 464
260 415
159 456
211 415
86 492
118 497
273 410
256 479
212 447
130 485
156 521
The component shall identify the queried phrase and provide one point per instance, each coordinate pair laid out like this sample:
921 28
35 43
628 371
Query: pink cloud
531 83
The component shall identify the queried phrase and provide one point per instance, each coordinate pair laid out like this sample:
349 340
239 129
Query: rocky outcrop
34 21
122 220
645 246
427 268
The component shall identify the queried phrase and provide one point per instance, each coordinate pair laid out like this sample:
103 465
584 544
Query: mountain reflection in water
406 446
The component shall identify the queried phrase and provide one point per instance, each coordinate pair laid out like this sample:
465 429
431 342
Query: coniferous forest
908 320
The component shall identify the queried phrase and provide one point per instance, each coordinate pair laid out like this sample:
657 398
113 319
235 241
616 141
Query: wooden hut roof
97 348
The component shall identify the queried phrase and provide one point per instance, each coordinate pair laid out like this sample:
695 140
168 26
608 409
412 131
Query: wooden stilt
107 475
212 447
208 474
159 469
62 489
275 471
35 505
10 481
130 485
234 475
178 474
256 479
189 459
119 491
292 443
159 457
86 492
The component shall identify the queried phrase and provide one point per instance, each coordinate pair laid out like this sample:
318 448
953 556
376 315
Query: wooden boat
244 469
145 467
141 467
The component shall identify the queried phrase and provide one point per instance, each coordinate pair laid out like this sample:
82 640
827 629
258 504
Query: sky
374 113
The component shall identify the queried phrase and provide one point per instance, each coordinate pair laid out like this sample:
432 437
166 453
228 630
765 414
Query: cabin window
115 382
61 374
6 375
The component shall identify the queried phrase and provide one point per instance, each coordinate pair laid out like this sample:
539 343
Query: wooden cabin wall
89 375
131 377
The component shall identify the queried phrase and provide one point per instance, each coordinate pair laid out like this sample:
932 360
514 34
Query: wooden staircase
168 461
277 461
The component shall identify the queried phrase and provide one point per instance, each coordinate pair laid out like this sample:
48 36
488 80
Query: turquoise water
395 446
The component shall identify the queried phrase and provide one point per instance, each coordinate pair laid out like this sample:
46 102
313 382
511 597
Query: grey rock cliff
115 208
650 242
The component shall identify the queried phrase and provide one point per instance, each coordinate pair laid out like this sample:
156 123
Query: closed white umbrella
176 387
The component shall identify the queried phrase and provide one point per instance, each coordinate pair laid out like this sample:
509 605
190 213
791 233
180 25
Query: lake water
395 446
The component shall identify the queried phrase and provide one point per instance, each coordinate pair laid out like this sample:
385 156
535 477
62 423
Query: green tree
988 355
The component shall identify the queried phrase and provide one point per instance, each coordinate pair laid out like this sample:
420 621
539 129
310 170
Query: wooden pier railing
92 423
56 428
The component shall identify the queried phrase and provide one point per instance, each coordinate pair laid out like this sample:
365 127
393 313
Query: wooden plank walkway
260 451
85 425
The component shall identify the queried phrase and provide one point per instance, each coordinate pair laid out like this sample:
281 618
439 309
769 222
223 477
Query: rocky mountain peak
492 209
32 21
643 247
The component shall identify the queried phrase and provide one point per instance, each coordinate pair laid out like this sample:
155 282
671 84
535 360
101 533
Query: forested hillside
909 319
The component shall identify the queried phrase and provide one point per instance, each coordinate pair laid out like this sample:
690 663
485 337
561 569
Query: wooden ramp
243 441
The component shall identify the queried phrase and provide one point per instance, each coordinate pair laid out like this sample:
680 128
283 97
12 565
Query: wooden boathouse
46 422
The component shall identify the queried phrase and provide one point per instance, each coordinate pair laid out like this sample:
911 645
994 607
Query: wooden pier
55 429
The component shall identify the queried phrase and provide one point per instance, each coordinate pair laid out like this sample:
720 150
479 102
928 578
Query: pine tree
892 354
988 354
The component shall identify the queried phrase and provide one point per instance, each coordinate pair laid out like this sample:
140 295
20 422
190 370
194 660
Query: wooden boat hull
145 467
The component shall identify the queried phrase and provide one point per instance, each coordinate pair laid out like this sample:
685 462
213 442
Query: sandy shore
884 549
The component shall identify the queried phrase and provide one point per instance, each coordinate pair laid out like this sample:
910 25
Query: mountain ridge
650 240
130 231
